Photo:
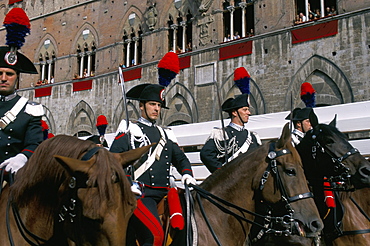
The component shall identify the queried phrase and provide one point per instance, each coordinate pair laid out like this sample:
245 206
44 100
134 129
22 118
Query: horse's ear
285 136
129 157
334 121
72 165
313 119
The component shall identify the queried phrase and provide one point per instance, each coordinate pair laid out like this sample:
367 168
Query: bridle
286 221
339 167
340 181
67 211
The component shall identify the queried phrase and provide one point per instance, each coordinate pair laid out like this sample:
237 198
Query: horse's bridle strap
300 197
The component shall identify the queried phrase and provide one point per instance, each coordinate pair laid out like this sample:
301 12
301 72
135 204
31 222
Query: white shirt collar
146 122
236 127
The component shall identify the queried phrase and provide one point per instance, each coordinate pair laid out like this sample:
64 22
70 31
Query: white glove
13 164
136 190
188 179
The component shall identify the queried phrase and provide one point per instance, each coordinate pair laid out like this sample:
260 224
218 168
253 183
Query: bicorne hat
235 103
147 92
300 114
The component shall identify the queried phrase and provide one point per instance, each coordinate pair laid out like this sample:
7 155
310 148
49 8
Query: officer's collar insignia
11 58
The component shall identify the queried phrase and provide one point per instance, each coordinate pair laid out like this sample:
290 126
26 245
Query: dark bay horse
326 152
69 192
270 175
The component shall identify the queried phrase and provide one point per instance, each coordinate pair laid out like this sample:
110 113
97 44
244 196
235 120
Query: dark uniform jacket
213 152
24 134
157 176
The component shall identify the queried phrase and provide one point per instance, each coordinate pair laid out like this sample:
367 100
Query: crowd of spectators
45 81
237 36
314 15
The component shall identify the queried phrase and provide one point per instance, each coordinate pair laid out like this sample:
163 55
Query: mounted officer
154 172
301 123
238 140
20 119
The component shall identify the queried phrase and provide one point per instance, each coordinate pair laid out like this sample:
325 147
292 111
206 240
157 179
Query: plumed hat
17 26
147 92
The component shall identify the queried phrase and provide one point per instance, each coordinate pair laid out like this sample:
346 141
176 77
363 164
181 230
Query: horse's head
98 201
326 152
287 192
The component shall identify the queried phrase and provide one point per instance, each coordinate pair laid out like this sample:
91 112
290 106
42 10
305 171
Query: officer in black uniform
238 138
20 119
301 123
154 173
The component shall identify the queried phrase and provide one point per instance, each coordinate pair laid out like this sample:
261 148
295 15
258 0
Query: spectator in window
251 32
92 73
318 14
303 17
333 11
310 17
328 11
227 38
188 47
178 50
85 74
236 36
76 76
297 20
45 82
39 83
52 79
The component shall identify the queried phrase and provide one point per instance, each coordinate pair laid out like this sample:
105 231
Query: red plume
168 68
308 95
101 120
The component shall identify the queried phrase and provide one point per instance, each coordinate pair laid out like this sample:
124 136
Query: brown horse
326 152
69 191
271 176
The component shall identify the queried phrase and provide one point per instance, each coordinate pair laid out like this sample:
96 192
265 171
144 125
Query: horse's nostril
316 226
365 171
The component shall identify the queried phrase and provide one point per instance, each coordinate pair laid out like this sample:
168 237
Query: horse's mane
42 179
238 166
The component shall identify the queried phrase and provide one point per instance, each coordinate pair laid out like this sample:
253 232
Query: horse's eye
290 172
329 141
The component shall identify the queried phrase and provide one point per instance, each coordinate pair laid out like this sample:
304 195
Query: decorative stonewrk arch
181 103
331 85
82 119
120 114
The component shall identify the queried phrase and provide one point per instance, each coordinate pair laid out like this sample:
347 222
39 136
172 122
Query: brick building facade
69 38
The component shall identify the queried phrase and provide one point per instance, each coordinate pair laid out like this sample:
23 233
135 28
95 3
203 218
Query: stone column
174 28
306 5
42 70
322 6
183 24
128 41
135 40
231 10
243 5
82 65
49 70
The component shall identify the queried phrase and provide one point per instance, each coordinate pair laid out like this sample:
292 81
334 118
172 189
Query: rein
77 181
287 220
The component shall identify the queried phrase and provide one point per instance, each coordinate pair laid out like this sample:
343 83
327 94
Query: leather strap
11 115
